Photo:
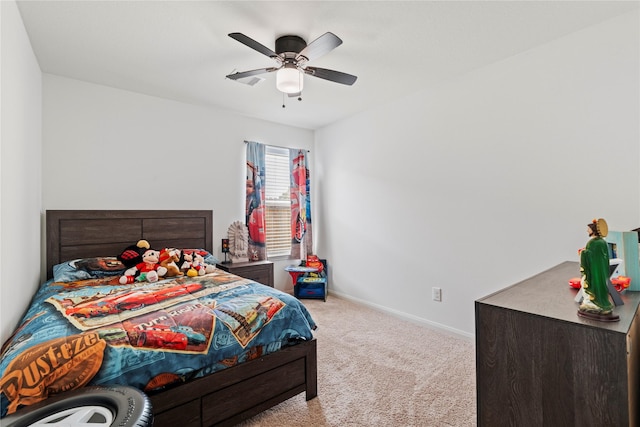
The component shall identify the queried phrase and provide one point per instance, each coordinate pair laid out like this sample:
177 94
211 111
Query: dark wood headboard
87 233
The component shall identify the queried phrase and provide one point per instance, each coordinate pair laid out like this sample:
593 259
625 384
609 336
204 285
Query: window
277 202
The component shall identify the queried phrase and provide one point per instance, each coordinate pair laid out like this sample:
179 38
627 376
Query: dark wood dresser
260 271
539 364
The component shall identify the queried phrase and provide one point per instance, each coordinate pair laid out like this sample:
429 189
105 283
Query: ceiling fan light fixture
289 79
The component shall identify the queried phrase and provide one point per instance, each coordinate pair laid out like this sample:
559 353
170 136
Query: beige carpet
375 369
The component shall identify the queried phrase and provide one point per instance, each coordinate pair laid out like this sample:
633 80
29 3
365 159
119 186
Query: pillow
87 268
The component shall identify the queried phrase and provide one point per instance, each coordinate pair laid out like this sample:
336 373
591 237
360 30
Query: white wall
20 169
484 181
106 148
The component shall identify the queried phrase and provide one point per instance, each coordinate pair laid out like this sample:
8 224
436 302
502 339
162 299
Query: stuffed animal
169 257
148 269
185 261
196 266
314 261
132 254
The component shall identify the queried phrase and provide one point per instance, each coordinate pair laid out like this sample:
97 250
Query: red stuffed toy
149 269
314 262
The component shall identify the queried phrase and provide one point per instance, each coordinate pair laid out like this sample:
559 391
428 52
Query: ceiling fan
292 55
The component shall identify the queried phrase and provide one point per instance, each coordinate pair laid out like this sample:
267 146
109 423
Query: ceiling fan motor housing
292 44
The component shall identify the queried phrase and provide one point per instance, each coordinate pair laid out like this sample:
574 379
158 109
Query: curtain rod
280 146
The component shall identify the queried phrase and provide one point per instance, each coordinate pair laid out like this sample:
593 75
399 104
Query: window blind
277 202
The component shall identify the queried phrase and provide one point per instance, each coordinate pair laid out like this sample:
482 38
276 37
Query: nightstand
259 271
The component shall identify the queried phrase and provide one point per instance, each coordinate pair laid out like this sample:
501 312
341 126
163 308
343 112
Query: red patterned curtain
302 241
255 207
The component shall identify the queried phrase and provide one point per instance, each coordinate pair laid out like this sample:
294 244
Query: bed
188 319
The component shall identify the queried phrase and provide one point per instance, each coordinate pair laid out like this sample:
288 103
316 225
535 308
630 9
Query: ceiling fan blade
236 76
248 41
334 76
323 44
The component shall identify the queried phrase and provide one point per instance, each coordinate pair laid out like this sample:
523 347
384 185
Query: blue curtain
255 208
301 242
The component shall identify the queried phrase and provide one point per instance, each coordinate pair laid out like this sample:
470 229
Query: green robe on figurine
594 266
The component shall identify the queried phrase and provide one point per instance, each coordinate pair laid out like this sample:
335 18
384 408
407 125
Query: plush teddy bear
148 269
169 257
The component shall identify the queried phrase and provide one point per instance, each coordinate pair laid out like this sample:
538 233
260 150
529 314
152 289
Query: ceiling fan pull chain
283 106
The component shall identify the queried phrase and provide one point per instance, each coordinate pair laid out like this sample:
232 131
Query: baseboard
403 315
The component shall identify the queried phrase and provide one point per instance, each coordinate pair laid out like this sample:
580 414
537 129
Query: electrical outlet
437 294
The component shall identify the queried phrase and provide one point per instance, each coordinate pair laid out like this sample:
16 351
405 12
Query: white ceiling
180 50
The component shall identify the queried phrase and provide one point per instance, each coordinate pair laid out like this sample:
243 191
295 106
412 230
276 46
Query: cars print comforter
147 335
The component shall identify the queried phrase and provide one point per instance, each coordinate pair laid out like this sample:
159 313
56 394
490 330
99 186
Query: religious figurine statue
238 242
594 269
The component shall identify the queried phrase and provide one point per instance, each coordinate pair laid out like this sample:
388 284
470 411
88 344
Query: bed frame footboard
228 397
